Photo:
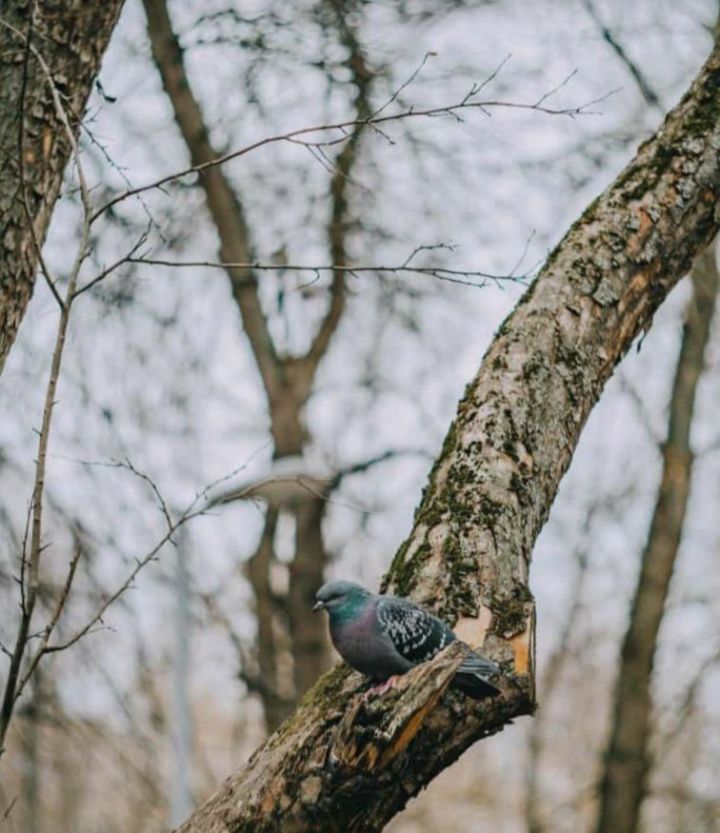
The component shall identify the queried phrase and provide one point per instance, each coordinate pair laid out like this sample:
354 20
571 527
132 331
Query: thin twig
646 90
140 563
459 276
346 130
114 266
31 581
50 627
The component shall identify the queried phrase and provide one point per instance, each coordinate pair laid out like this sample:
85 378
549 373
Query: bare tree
385 755
34 146
288 380
23 657
626 766
32 645
344 764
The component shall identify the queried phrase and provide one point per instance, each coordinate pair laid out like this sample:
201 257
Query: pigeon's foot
381 688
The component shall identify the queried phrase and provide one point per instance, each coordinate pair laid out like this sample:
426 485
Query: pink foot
381 688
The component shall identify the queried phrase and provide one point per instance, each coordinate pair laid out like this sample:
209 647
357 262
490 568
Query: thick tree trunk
626 763
339 765
34 148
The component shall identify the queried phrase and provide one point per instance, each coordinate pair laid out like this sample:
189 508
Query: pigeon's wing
416 634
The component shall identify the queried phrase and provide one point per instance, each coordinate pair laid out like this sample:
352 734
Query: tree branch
649 95
225 208
342 176
30 585
463 277
336 133
496 478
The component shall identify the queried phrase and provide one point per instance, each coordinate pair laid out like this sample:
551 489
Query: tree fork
494 482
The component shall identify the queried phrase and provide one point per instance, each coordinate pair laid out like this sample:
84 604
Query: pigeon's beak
318 606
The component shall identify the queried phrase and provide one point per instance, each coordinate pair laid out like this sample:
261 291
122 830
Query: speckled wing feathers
416 635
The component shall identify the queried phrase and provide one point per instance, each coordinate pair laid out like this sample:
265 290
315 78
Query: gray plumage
382 636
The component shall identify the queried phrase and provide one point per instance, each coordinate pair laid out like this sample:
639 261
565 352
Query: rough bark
287 380
491 490
34 147
627 763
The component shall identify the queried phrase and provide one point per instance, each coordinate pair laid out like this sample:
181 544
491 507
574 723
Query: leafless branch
31 581
140 563
342 131
127 258
464 277
399 91
364 465
683 710
197 507
480 85
48 630
648 93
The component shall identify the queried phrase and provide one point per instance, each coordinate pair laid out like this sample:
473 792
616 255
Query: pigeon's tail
472 676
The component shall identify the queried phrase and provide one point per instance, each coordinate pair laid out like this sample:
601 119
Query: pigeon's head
334 595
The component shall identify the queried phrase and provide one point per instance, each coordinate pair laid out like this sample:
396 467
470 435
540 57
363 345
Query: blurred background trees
327 393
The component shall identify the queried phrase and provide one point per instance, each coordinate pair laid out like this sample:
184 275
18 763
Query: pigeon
385 636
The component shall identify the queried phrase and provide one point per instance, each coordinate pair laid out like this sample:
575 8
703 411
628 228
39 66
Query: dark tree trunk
339 765
276 706
308 633
72 37
626 762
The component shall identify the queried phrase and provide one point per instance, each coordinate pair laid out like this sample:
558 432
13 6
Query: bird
384 636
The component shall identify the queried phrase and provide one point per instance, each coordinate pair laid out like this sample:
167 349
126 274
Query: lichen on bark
497 475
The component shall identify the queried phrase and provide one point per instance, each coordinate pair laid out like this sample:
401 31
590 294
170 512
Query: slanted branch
495 480
345 746
376 730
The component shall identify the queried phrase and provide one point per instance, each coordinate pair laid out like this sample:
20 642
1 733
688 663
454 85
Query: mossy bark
34 147
494 483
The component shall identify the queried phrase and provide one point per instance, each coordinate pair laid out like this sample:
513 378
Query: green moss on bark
403 571
510 611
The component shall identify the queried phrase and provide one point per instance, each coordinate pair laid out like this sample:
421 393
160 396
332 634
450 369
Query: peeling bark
626 761
34 147
495 480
